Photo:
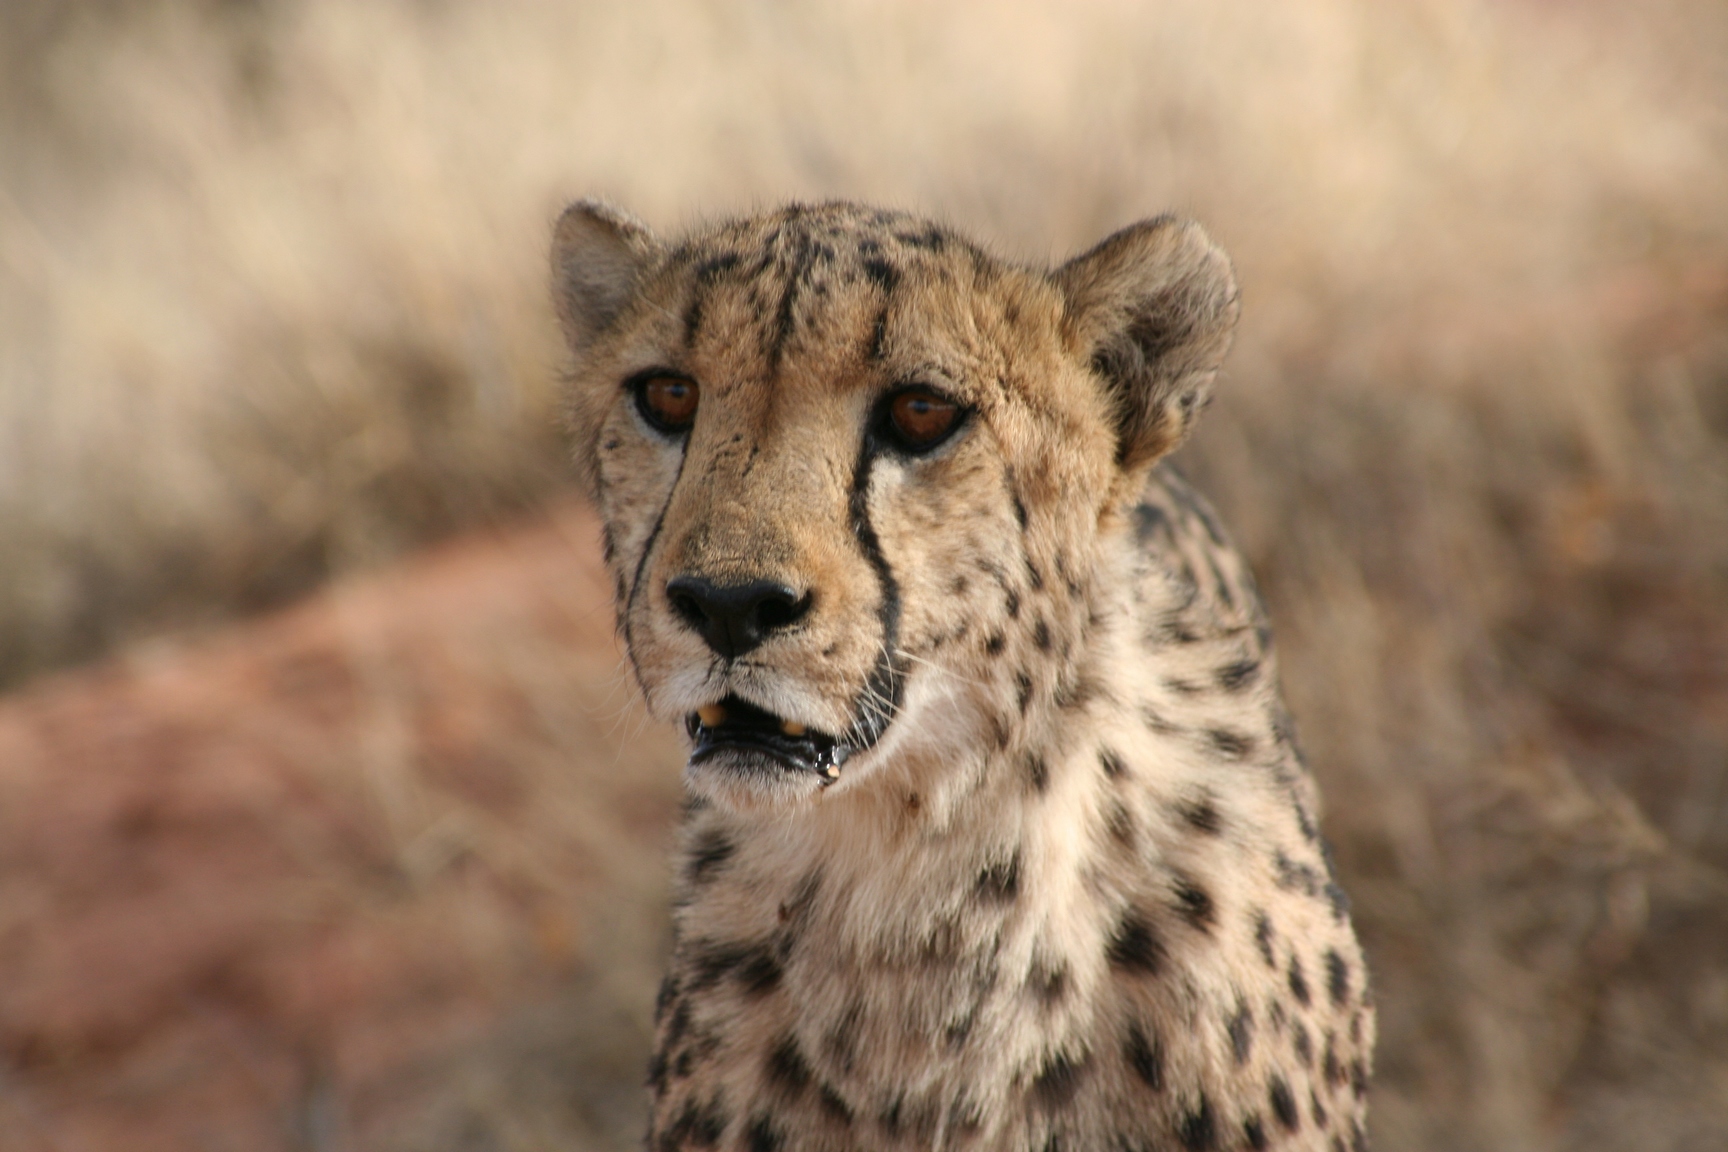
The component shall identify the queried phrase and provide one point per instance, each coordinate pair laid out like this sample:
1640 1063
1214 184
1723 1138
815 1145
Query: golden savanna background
327 821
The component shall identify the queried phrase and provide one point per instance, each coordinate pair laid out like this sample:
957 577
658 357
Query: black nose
735 618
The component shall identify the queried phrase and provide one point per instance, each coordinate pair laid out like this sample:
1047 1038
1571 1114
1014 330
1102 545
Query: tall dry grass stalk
271 307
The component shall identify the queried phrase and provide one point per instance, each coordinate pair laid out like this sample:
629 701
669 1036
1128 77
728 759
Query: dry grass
271 307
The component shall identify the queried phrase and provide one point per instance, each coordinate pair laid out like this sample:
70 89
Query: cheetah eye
667 402
920 419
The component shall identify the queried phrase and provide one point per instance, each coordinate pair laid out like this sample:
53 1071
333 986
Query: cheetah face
846 461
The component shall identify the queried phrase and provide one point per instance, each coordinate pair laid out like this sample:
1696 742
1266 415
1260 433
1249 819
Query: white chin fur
750 788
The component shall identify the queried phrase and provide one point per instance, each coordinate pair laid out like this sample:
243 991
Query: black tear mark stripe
886 683
642 565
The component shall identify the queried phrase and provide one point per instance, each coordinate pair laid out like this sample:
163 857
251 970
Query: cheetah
996 834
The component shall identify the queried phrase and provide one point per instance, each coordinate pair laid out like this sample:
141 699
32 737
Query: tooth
831 772
711 715
792 728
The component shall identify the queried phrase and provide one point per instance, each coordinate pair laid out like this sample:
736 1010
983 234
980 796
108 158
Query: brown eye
668 402
921 420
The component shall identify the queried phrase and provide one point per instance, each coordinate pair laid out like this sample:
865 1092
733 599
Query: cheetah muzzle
998 835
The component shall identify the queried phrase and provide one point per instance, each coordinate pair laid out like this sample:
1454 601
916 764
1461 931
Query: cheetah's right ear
598 255
1153 309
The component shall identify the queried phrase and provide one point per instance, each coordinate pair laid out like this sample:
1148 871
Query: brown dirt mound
383 870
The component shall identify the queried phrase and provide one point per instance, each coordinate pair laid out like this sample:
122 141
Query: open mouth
732 728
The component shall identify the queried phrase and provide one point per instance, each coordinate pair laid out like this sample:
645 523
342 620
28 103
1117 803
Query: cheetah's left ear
1153 308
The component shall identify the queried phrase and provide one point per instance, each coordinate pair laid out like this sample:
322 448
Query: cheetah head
852 469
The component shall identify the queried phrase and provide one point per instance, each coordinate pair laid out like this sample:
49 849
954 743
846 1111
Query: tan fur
1068 894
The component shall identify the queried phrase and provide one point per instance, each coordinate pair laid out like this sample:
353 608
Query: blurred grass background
272 310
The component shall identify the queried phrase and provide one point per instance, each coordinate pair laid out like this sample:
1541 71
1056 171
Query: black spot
1037 770
931 239
1298 981
1013 604
1022 690
1197 1131
1241 1033
1232 745
1119 823
1195 904
1237 676
1254 1133
1263 938
786 1066
1135 946
1283 1103
1075 589
1058 1080
1033 576
1203 816
994 644
1148 520
1330 1066
761 973
1294 876
1318 1109
1000 880
1146 1057
710 1125
1019 510
711 850
711 962
1340 902
663 999
1047 984
883 274
960 585
1337 978
1175 630
1112 763
833 1105
762 1135
678 1023
1156 722
695 1124
1041 635
1358 1078
841 1041
1304 1046
657 1072
1225 592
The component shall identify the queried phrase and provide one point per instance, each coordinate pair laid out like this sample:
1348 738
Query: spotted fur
1069 893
